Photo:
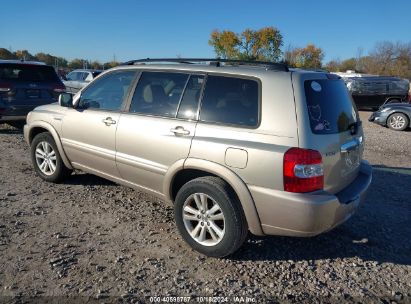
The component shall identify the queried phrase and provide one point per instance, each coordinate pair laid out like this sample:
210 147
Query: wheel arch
42 126
183 171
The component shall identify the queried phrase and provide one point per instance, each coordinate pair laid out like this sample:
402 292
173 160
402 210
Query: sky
126 29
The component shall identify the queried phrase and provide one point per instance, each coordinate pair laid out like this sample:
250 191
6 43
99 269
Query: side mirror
66 100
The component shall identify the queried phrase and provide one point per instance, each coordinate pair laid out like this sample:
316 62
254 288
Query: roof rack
214 62
21 61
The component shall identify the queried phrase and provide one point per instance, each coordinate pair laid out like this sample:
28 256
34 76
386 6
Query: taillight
5 87
303 170
59 88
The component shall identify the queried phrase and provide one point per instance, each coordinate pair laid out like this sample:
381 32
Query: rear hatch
328 122
26 86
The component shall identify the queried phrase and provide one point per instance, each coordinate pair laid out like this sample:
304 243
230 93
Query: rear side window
330 106
189 103
230 100
158 93
27 73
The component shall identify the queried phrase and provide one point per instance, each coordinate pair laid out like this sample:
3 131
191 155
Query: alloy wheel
203 219
46 158
397 122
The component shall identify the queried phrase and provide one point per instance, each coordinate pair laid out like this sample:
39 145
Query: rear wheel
398 121
210 217
47 160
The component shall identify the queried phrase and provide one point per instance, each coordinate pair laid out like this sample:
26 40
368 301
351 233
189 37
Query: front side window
158 93
108 93
230 100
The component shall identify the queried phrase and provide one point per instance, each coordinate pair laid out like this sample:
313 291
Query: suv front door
159 127
88 129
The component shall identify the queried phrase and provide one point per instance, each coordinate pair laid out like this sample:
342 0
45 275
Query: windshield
330 106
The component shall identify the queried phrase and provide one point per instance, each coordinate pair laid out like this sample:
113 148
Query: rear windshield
25 72
330 106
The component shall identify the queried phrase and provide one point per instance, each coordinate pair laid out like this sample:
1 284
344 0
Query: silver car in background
78 79
235 146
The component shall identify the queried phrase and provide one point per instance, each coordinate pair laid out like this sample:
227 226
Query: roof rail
21 61
214 62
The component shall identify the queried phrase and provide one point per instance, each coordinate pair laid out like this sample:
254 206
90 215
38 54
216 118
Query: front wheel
46 159
209 216
398 121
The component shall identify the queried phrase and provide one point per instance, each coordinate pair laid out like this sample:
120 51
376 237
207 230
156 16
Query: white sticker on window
316 86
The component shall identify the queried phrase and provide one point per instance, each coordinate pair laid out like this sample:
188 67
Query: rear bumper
6 118
300 214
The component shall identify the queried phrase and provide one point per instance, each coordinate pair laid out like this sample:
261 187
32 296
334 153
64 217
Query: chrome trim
140 163
100 152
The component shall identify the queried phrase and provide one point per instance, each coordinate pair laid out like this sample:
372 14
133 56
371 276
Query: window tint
27 73
330 106
158 93
107 93
189 103
73 76
230 100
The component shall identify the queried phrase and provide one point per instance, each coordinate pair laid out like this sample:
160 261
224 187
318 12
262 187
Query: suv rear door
328 122
158 129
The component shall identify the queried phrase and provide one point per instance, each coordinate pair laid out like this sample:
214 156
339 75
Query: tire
229 218
17 124
43 149
398 121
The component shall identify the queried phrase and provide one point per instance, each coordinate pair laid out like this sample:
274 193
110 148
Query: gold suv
235 146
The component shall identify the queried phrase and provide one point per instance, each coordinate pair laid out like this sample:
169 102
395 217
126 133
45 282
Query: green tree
46 58
333 65
111 64
262 44
24 55
76 64
95 65
348 64
309 57
6 54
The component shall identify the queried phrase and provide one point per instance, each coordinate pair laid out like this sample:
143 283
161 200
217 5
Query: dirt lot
90 239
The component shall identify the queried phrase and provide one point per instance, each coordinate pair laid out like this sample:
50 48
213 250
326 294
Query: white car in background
78 79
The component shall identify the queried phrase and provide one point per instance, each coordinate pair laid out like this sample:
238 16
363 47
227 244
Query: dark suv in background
25 85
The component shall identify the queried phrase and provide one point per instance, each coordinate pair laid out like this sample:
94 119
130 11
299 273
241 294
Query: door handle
179 130
109 121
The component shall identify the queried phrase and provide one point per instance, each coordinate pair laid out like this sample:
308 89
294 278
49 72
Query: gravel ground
91 240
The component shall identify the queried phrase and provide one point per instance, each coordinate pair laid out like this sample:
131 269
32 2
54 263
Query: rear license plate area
33 93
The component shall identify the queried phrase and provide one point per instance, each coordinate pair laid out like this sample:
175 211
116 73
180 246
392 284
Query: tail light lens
303 170
57 90
5 87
